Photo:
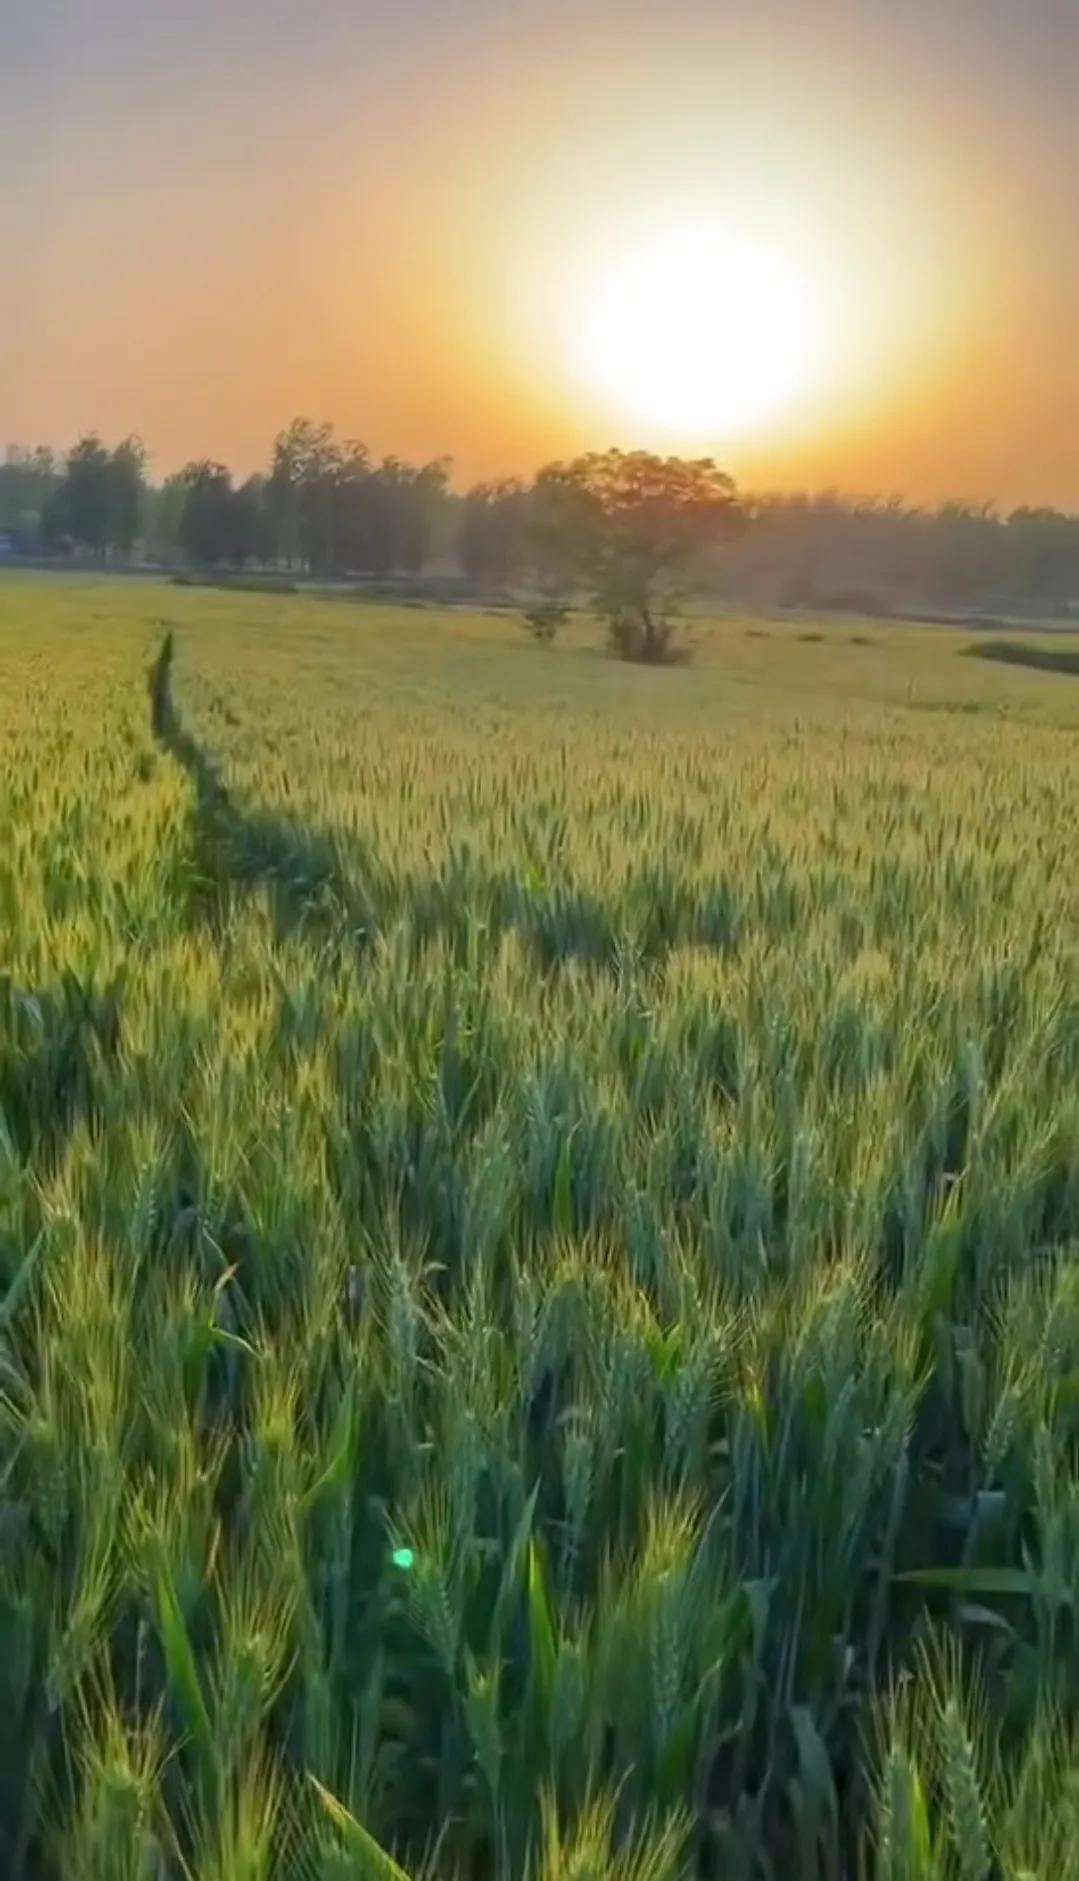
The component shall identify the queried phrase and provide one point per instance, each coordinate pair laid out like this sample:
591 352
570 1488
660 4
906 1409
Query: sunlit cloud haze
219 214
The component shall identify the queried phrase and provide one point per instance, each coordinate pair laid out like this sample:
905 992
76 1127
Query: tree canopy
97 501
492 533
629 526
334 509
217 523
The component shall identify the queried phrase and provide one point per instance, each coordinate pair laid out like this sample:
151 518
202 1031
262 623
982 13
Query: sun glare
700 334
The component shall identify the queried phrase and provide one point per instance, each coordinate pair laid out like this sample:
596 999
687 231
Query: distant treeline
831 551
327 507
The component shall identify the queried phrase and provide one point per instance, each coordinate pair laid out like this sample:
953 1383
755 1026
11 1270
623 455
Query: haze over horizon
222 217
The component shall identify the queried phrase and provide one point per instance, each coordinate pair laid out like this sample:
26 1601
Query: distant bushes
255 584
544 620
1017 653
842 600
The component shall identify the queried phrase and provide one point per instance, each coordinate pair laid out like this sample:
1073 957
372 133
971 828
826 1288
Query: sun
700 334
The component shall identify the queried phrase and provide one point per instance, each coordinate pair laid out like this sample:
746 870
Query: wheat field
539 1327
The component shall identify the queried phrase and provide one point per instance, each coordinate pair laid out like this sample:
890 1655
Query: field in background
537 1202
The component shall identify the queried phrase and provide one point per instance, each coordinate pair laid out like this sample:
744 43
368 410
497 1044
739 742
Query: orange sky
222 214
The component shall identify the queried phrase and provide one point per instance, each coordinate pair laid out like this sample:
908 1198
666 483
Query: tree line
327 506
94 499
324 506
833 552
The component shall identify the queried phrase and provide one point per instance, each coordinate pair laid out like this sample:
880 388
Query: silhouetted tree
346 493
164 509
97 502
252 532
334 510
420 491
1045 556
126 485
829 550
630 526
207 521
492 539
305 459
28 482
79 510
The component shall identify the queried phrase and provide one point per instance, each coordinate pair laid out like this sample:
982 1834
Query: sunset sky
421 220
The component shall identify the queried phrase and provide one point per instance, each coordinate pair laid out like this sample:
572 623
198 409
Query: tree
422 495
348 495
629 525
126 487
335 510
1045 551
28 482
492 537
301 494
165 511
80 507
207 528
252 531
98 501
